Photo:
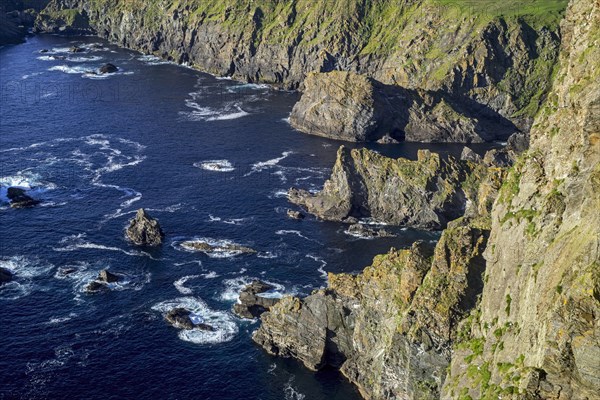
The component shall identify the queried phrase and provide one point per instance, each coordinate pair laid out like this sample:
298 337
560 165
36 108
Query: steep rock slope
537 329
499 56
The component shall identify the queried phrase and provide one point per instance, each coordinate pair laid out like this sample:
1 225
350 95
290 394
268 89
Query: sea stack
144 230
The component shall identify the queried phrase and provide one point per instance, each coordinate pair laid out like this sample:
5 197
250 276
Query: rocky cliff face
426 193
536 333
500 57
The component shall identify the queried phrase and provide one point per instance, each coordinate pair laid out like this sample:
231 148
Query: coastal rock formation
363 231
352 107
251 304
426 193
102 281
499 57
68 21
535 333
388 329
297 215
5 276
144 230
19 199
181 318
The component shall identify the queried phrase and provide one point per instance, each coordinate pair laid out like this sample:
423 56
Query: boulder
108 69
19 199
363 231
295 215
251 304
469 155
181 318
101 282
76 49
5 276
144 230
107 277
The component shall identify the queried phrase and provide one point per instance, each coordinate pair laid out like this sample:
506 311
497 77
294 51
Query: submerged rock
108 69
295 214
19 199
363 231
144 230
251 304
206 247
181 318
76 49
5 276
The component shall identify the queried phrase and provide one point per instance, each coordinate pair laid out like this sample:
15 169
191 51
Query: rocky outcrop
144 230
500 57
251 304
388 329
353 107
360 230
19 199
535 334
108 69
297 215
426 193
181 318
5 276
102 281
67 21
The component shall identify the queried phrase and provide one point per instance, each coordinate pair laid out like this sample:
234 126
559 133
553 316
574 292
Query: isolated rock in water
76 49
18 198
426 193
101 282
144 230
206 247
181 318
107 277
108 69
251 304
367 232
5 276
469 155
295 214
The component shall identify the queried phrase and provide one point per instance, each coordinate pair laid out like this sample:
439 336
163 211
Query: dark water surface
96 149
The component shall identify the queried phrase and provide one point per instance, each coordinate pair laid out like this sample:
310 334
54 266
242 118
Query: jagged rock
66 271
469 155
101 282
425 193
108 69
363 231
251 304
181 318
518 143
295 214
5 276
209 248
498 158
144 230
66 21
19 199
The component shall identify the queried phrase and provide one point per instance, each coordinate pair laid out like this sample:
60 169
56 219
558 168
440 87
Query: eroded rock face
251 304
144 230
426 193
352 107
536 332
388 329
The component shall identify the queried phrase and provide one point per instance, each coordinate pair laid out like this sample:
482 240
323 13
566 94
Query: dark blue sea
210 158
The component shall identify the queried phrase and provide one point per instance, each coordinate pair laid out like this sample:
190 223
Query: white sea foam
215 165
292 393
228 112
25 272
79 242
223 322
296 233
216 253
230 221
150 59
262 165
179 284
321 261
